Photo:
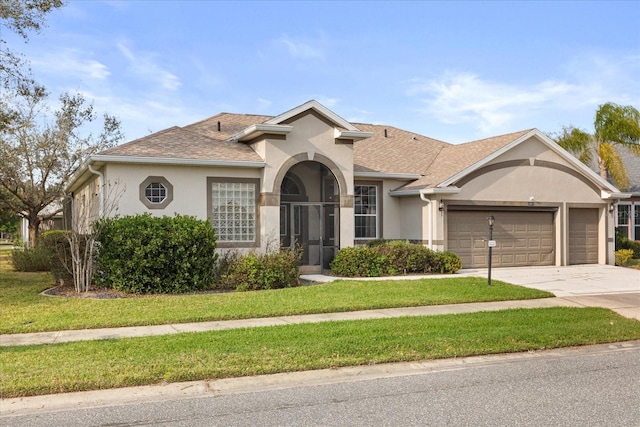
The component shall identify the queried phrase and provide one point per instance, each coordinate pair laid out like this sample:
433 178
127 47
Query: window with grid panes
155 192
622 223
233 211
366 211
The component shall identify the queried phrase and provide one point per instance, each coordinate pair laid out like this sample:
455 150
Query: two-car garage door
522 238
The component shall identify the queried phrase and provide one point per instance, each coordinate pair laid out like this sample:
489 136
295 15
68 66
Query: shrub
55 241
31 259
623 256
145 254
622 242
391 258
258 271
447 262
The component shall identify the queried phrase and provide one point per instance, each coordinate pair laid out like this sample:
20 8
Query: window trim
379 211
156 180
236 244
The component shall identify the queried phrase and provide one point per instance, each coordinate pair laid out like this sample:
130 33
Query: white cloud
144 65
71 62
301 49
457 98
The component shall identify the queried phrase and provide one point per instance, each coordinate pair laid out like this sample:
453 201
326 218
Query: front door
309 214
310 226
306 227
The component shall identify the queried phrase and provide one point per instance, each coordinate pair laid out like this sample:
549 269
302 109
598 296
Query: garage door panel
583 236
522 238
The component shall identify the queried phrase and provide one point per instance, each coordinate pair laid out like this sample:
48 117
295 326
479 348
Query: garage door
522 238
583 236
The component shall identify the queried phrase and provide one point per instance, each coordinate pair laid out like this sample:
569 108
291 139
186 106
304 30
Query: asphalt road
590 386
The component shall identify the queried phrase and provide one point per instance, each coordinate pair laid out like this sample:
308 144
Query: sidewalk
627 304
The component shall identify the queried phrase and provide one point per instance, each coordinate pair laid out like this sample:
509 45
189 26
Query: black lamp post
491 243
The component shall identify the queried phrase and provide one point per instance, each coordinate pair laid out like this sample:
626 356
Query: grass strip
44 369
24 310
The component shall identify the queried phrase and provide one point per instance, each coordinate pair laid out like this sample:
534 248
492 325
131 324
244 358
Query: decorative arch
303 157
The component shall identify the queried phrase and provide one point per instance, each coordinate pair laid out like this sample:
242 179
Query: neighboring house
628 210
311 177
54 223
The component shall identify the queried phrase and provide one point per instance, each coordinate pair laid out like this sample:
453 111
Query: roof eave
352 135
613 195
257 130
385 175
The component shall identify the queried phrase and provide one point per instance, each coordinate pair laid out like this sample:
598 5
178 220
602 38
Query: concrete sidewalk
615 288
625 304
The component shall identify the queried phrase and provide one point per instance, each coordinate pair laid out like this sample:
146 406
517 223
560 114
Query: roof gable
318 108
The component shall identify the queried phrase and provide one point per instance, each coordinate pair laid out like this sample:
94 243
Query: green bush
390 258
61 263
622 242
145 254
623 256
259 271
32 259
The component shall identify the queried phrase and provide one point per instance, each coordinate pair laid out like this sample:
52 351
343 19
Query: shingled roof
389 150
180 143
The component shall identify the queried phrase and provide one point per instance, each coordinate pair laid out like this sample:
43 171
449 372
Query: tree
614 126
21 17
40 151
9 221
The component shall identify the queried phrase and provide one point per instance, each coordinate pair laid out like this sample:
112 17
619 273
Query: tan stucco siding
519 184
189 186
412 226
86 204
531 148
308 137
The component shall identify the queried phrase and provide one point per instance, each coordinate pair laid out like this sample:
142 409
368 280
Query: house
311 177
628 210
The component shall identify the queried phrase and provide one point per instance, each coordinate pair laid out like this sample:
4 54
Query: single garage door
522 238
583 236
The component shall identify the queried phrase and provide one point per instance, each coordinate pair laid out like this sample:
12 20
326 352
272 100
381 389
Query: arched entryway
309 213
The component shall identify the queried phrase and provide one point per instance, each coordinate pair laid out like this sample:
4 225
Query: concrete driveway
615 288
573 280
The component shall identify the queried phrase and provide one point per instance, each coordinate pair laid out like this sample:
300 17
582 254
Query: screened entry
309 214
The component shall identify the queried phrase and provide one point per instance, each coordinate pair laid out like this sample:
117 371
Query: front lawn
25 310
90 365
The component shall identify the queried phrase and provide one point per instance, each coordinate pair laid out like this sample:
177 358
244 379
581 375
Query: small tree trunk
34 231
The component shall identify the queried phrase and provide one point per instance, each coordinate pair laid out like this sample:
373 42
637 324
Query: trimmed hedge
145 254
260 271
392 258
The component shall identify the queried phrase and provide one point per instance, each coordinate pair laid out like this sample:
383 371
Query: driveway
573 280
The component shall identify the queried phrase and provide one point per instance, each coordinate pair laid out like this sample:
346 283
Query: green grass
43 369
24 310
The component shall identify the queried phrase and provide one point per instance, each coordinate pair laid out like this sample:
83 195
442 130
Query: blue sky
455 71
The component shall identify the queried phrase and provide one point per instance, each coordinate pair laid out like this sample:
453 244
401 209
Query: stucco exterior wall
532 175
86 205
309 136
189 186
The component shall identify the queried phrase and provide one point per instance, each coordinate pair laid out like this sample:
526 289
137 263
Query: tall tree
40 150
21 17
614 126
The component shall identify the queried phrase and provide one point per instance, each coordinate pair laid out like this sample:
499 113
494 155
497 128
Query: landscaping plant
145 254
391 258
